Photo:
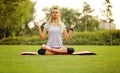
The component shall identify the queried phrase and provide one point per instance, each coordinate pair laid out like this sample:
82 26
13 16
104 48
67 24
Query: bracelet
71 29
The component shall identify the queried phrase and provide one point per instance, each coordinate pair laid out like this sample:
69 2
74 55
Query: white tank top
54 35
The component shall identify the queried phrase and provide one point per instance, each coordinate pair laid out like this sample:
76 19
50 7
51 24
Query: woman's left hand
73 25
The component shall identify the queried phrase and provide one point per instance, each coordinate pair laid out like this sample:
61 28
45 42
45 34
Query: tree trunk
3 35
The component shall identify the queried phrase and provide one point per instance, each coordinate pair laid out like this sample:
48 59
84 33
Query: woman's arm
43 33
68 35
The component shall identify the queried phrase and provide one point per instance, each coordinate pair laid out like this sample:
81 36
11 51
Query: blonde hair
59 19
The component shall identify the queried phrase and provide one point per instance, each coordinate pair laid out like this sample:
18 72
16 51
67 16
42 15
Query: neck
55 20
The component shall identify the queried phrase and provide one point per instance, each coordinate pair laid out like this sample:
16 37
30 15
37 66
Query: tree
91 22
107 14
14 15
86 11
69 15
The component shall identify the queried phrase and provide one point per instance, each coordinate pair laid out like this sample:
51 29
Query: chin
55 17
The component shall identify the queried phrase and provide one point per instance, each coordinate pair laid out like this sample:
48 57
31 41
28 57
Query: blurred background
97 21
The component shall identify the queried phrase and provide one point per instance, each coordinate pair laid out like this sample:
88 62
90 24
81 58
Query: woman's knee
41 51
43 46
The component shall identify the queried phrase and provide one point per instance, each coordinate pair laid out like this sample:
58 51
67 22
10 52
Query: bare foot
29 53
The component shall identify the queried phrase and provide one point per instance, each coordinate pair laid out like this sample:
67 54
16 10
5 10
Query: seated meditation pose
55 29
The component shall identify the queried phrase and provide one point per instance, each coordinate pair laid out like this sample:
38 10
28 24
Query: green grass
107 60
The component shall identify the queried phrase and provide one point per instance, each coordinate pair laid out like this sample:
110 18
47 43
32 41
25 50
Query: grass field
107 60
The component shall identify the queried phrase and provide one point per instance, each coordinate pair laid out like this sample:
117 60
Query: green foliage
95 38
86 8
68 16
89 23
83 20
33 40
107 12
78 38
14 15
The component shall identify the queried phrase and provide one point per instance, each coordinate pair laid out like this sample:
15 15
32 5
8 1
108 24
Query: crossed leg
48 51
53 51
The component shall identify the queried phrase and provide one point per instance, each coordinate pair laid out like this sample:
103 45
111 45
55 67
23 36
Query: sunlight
77 4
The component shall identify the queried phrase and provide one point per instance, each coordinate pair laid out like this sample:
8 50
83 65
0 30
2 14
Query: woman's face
55 14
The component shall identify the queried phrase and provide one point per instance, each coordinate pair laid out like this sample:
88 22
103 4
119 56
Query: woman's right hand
36 24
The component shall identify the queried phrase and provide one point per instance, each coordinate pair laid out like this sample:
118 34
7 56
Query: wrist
39 27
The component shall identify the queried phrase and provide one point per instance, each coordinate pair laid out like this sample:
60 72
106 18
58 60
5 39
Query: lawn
107 60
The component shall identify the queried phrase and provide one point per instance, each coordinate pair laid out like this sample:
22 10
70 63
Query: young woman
55 29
